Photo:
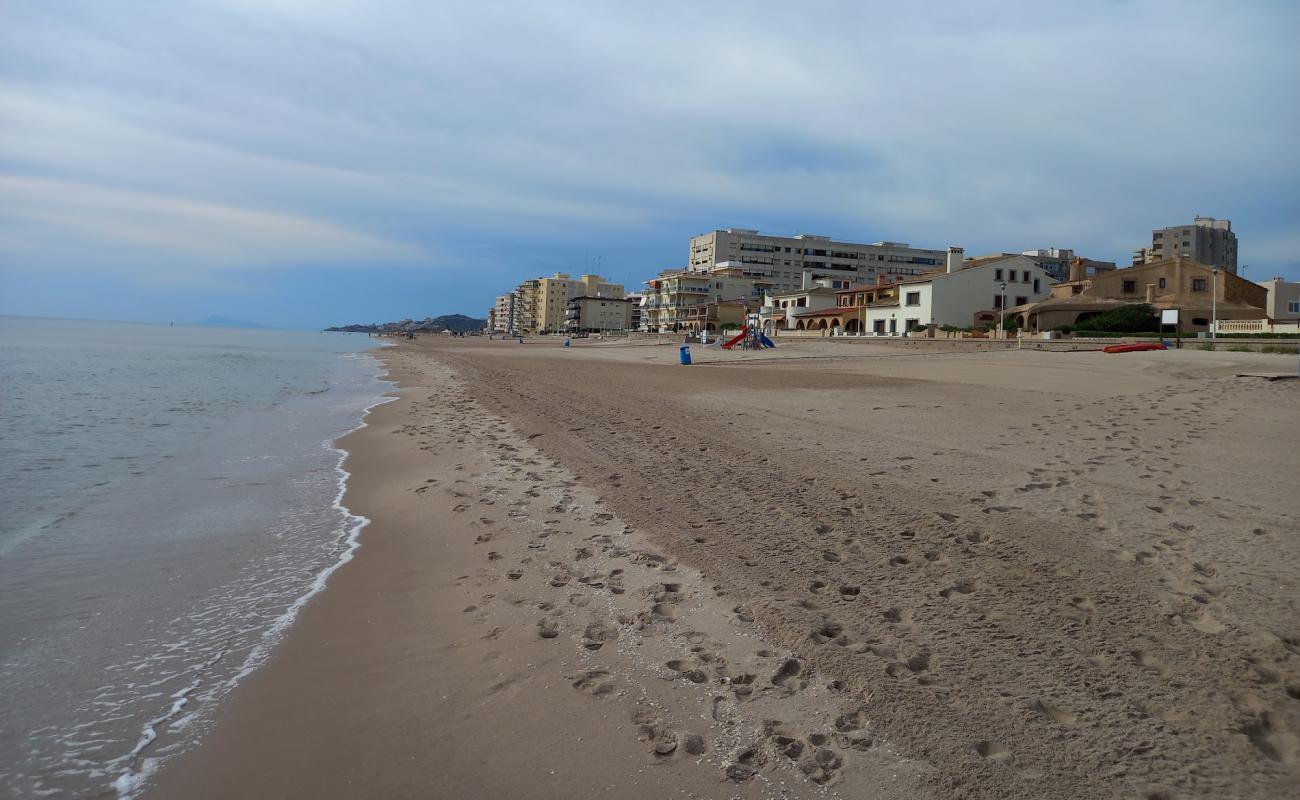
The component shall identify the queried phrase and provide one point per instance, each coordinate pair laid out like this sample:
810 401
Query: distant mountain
227 322
456 323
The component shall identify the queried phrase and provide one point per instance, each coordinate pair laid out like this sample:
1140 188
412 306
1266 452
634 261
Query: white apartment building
953 297
816 298
796 262
503 318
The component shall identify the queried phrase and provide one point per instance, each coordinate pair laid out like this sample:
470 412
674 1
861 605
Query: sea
170 498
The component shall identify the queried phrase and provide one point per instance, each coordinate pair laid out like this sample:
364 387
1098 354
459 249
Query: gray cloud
404 133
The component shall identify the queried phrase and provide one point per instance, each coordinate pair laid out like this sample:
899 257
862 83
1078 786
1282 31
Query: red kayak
1132 348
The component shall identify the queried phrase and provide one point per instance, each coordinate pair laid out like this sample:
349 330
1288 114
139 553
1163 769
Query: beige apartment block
1283 300
542 303
598 314
797 262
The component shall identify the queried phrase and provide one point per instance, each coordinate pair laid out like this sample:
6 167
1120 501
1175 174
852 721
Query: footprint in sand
595 682
790 675
993 751
1052 712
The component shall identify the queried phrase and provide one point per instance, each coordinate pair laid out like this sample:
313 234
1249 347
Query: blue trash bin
685 355
566 342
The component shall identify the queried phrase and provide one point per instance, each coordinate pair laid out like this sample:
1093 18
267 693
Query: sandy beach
821 571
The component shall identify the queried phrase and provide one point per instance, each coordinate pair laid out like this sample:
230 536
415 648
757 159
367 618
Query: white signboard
1169 316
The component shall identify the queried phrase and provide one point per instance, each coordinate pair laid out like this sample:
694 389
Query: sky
305 163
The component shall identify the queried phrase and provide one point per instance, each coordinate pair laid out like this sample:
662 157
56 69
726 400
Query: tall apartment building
1207 241
797 262
1056 261
541 303
503 317
674 293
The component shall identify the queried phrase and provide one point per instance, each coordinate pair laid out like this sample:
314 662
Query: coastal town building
1283 303
1056 262
635 323
541 304
796 262
1206 241
502 319
1197 290
967 292
672 294
718 315
787 305
588 314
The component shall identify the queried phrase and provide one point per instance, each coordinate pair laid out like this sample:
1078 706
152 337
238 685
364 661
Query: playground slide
740 337
763 340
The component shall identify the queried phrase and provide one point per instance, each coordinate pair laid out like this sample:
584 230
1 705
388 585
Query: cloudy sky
313 162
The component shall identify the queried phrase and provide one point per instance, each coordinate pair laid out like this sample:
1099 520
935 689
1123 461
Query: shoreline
140 765
528 617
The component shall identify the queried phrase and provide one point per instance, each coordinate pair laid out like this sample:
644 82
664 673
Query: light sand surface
823 570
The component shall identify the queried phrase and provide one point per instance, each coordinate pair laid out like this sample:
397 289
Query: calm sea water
169 497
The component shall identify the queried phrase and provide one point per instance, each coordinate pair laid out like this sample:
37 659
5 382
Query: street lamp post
1214 302
1002 308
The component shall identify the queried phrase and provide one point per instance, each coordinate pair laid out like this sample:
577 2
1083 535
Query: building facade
1283 304
1207 241
1198 291
541 304
803 301
963 295
796 262
502 320
672 294
1056 262
598 314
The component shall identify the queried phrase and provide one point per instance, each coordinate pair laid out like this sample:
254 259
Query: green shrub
1123 319
1237 348
1273 348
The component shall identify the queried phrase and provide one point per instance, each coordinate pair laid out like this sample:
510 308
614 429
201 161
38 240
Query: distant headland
456 323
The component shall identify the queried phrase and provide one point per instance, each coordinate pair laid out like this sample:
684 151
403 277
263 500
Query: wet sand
822 569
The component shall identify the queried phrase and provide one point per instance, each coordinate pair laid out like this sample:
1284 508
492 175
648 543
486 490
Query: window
1036 289
1020 301
914 298
911 324
1198 284
997 274
1130 287
1024 276
1293 307
1200 321
1162 283
997 301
